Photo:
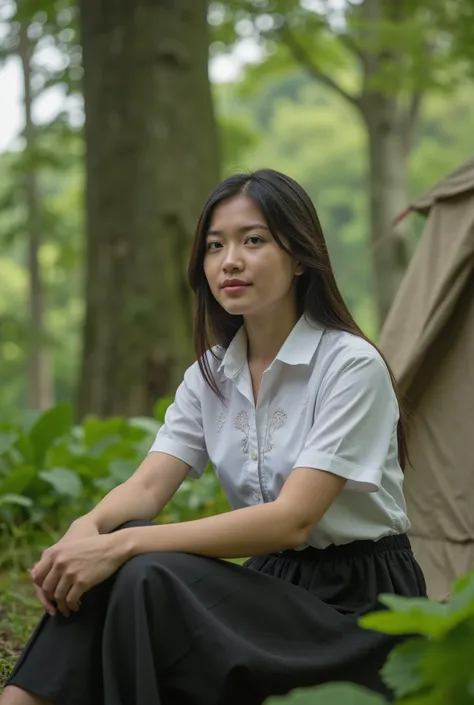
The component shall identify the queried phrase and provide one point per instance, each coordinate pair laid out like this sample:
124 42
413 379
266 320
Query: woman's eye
255 240
213 245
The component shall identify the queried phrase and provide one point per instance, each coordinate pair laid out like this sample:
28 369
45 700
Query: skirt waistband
400 542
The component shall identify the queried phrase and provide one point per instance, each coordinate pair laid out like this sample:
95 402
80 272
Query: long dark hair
288 211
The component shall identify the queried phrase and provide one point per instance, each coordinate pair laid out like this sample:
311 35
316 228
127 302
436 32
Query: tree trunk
388 198
40 383
389 126
389 121
151 159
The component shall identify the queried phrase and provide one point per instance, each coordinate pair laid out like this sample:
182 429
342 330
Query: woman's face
248 273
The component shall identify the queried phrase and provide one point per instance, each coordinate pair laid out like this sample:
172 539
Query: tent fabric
459 182
428 340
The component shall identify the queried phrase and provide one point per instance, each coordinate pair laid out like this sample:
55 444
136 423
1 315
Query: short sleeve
182 434
354 424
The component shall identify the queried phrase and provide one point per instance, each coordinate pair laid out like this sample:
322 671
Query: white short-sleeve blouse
325 402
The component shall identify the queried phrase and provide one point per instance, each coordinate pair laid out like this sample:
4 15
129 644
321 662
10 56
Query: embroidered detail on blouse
220 421
278 420
241 423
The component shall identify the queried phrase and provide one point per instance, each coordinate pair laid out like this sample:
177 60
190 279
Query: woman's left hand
70 568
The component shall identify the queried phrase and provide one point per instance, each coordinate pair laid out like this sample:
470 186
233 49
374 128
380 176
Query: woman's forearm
143 496
121 504
254 530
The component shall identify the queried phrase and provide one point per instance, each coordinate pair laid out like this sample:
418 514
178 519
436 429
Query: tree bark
388 198
151 159
389 124
40 383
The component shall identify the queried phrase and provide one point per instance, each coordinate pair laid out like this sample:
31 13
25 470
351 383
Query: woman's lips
236 288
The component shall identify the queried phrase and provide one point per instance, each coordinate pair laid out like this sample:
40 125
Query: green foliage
52 471
400 48
432 667
330 694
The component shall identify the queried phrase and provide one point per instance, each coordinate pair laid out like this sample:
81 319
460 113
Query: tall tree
40 381
379 56
152 157
27 26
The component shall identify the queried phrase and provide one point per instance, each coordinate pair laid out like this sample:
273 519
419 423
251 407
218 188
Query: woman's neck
266 335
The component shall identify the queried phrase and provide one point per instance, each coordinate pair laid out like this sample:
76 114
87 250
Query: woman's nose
232 260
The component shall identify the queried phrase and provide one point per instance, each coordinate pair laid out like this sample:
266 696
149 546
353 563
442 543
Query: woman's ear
299 270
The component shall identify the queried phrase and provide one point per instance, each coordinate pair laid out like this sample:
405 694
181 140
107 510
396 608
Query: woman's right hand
80 528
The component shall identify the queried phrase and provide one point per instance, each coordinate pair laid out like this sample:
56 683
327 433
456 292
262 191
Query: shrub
52 470
434 668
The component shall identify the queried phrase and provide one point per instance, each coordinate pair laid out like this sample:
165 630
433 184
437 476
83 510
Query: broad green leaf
150 426
422 617
17 480
462 582
53 424
122 470
97 430
101 446
7 440
402 669
461 601
64 481
448 663
428 698
16 499
159 410
408 604
331 694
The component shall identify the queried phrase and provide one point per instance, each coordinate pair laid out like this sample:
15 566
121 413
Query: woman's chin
236 310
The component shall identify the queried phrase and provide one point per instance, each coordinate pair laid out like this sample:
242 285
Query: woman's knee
155 568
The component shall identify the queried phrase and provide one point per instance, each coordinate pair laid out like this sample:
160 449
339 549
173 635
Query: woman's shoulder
341 349
211 360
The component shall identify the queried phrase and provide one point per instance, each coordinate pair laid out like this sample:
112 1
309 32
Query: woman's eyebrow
242 229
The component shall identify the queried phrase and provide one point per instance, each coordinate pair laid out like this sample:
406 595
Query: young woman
298 414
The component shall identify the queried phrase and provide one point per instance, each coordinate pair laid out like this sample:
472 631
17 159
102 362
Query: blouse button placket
254 457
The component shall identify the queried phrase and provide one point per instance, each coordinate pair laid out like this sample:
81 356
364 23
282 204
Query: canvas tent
428 339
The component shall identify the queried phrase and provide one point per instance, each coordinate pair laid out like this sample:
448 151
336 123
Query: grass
19 613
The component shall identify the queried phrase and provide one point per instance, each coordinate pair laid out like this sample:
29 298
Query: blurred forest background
129 113
365 103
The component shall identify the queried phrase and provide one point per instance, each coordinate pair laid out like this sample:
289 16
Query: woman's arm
66 571
143 496
274 526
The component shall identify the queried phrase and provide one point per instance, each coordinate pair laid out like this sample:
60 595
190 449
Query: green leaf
409 616
122 470
51 425
7 440
64 481
17 480
447 664
97 430
150 426
461 583
423 616
402 669
159 410
16 499
331 694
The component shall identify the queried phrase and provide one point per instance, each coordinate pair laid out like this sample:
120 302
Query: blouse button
254 456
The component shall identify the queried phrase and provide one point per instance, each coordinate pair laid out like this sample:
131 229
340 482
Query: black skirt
182 629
